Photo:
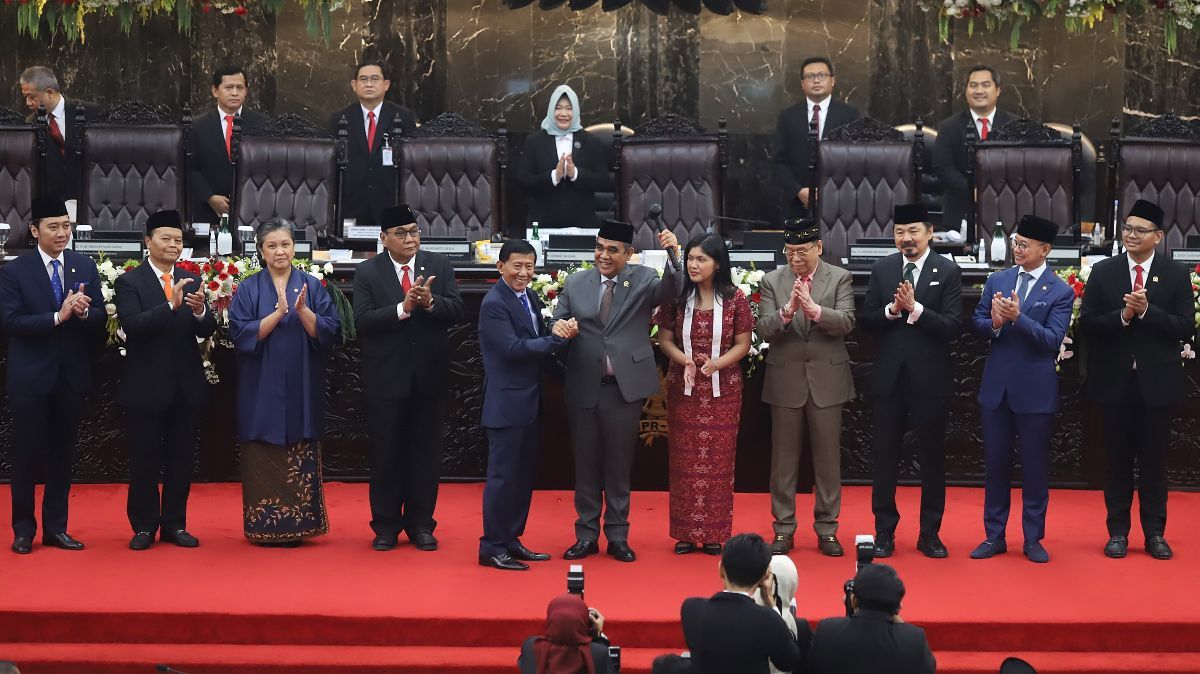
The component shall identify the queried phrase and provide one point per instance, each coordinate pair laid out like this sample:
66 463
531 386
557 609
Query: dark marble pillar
658 64
314 76
486 77
911 74
1157 82
410 35
218 39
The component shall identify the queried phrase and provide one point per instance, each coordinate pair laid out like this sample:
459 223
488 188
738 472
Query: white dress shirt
917 306
991 119
824 114
563 145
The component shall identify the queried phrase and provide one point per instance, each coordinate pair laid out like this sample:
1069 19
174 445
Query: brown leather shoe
829 546
782 544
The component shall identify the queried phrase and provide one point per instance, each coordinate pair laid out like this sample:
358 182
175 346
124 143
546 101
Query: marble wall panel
657 66
742 70
488 77
1155 81
578 49
838 30
314 76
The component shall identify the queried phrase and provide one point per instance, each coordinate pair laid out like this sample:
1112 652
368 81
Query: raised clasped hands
281 299
905 298
178 290
302 300
568 167
420 295
1136 304
560 170
1005 309
566 329
73 304
807 304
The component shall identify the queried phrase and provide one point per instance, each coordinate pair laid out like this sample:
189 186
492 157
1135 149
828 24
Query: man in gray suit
610 373
807 309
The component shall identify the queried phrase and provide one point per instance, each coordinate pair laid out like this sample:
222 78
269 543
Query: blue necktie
529 312
1023 285
56 281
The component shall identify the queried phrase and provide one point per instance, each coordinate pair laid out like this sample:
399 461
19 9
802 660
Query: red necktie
370 131
1138 281
405 283
229 136
983 132
816 120
56 134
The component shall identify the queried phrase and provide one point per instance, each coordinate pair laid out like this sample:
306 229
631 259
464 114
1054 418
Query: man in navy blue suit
1024 312
51 308
516 348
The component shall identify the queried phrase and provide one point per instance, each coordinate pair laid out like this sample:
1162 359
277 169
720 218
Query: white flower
547 312
110 307
745 288
328 267
107 292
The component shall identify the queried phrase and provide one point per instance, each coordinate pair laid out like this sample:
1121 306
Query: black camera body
864 554
575 580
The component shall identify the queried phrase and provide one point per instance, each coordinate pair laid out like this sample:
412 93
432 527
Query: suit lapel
1126 284
820 284
516 311
387 273
43 279
1041 286
926 277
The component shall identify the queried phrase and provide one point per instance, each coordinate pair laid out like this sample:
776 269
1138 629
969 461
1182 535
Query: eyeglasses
373 79
798 253
403 234
1138 232
815 77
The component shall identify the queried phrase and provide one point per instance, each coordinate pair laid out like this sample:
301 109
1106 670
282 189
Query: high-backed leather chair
289 168
1089 160
863 169
672 162
930 188
451 175
1024 168
134 164
1158 161
19 162
606 202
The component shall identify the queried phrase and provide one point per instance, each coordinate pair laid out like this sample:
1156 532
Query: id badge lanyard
386 151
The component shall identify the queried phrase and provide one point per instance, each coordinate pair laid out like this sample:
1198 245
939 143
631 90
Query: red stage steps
337 606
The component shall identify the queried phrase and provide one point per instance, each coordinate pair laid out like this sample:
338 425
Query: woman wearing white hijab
787 581
564 166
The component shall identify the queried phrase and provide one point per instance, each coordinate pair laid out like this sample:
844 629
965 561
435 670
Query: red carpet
335 605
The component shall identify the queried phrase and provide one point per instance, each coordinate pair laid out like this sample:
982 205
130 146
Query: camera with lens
575 580
864 554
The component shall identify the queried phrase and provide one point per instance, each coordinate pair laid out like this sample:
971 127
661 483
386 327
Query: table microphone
655 214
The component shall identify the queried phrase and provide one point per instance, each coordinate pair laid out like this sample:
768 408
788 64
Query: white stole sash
715 351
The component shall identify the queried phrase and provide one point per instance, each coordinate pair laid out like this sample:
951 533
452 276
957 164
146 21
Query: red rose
1195 287
219 265
233 289
240 11
206 8
756 297
233 271
207 267
324 283
551 294
214 286
554 273
1071 279
1198 269
224 277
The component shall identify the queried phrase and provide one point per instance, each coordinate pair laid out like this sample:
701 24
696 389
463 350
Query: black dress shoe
885 545
142 540
62 540
1116 547
424 541
713 549
383 543
1158 548
782 544
524 554
620 551
504 562
181 538
685 548
581 549
22 545
829 546
931 545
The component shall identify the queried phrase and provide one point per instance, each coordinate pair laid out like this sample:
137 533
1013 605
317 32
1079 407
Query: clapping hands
1005 309
905 298
75 303
1136 304
420 295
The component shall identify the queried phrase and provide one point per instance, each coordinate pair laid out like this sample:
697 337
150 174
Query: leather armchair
290 169
133 164
673 163
451 175
1159 161
930 186
18 170
1025 168
606 202
863 169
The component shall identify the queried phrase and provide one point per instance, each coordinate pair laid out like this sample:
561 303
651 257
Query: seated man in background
873 640
730 632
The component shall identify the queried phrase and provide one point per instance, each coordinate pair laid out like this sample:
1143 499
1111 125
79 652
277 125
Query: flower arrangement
1079 15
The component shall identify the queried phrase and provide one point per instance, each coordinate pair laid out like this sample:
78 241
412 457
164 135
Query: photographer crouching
874 639
572 643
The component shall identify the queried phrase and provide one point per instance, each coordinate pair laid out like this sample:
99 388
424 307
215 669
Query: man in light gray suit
610 373
807 309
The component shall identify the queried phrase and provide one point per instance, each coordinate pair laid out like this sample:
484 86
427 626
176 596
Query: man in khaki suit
806 312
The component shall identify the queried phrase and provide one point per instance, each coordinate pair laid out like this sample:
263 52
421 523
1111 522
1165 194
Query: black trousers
1136 434
512 467
44 427
406 462
160 443
893 414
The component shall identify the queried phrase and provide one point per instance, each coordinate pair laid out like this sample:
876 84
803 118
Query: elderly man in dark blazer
1136 311
53 312
516 348
806 311
610 373
914 307
405 300
163 388
39 86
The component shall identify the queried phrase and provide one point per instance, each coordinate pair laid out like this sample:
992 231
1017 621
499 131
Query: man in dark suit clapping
791 151
39 86
981 117
53 313
163 388
914 307
211 174
729 632
516 348
874 640
1136 311
405 299
370 181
